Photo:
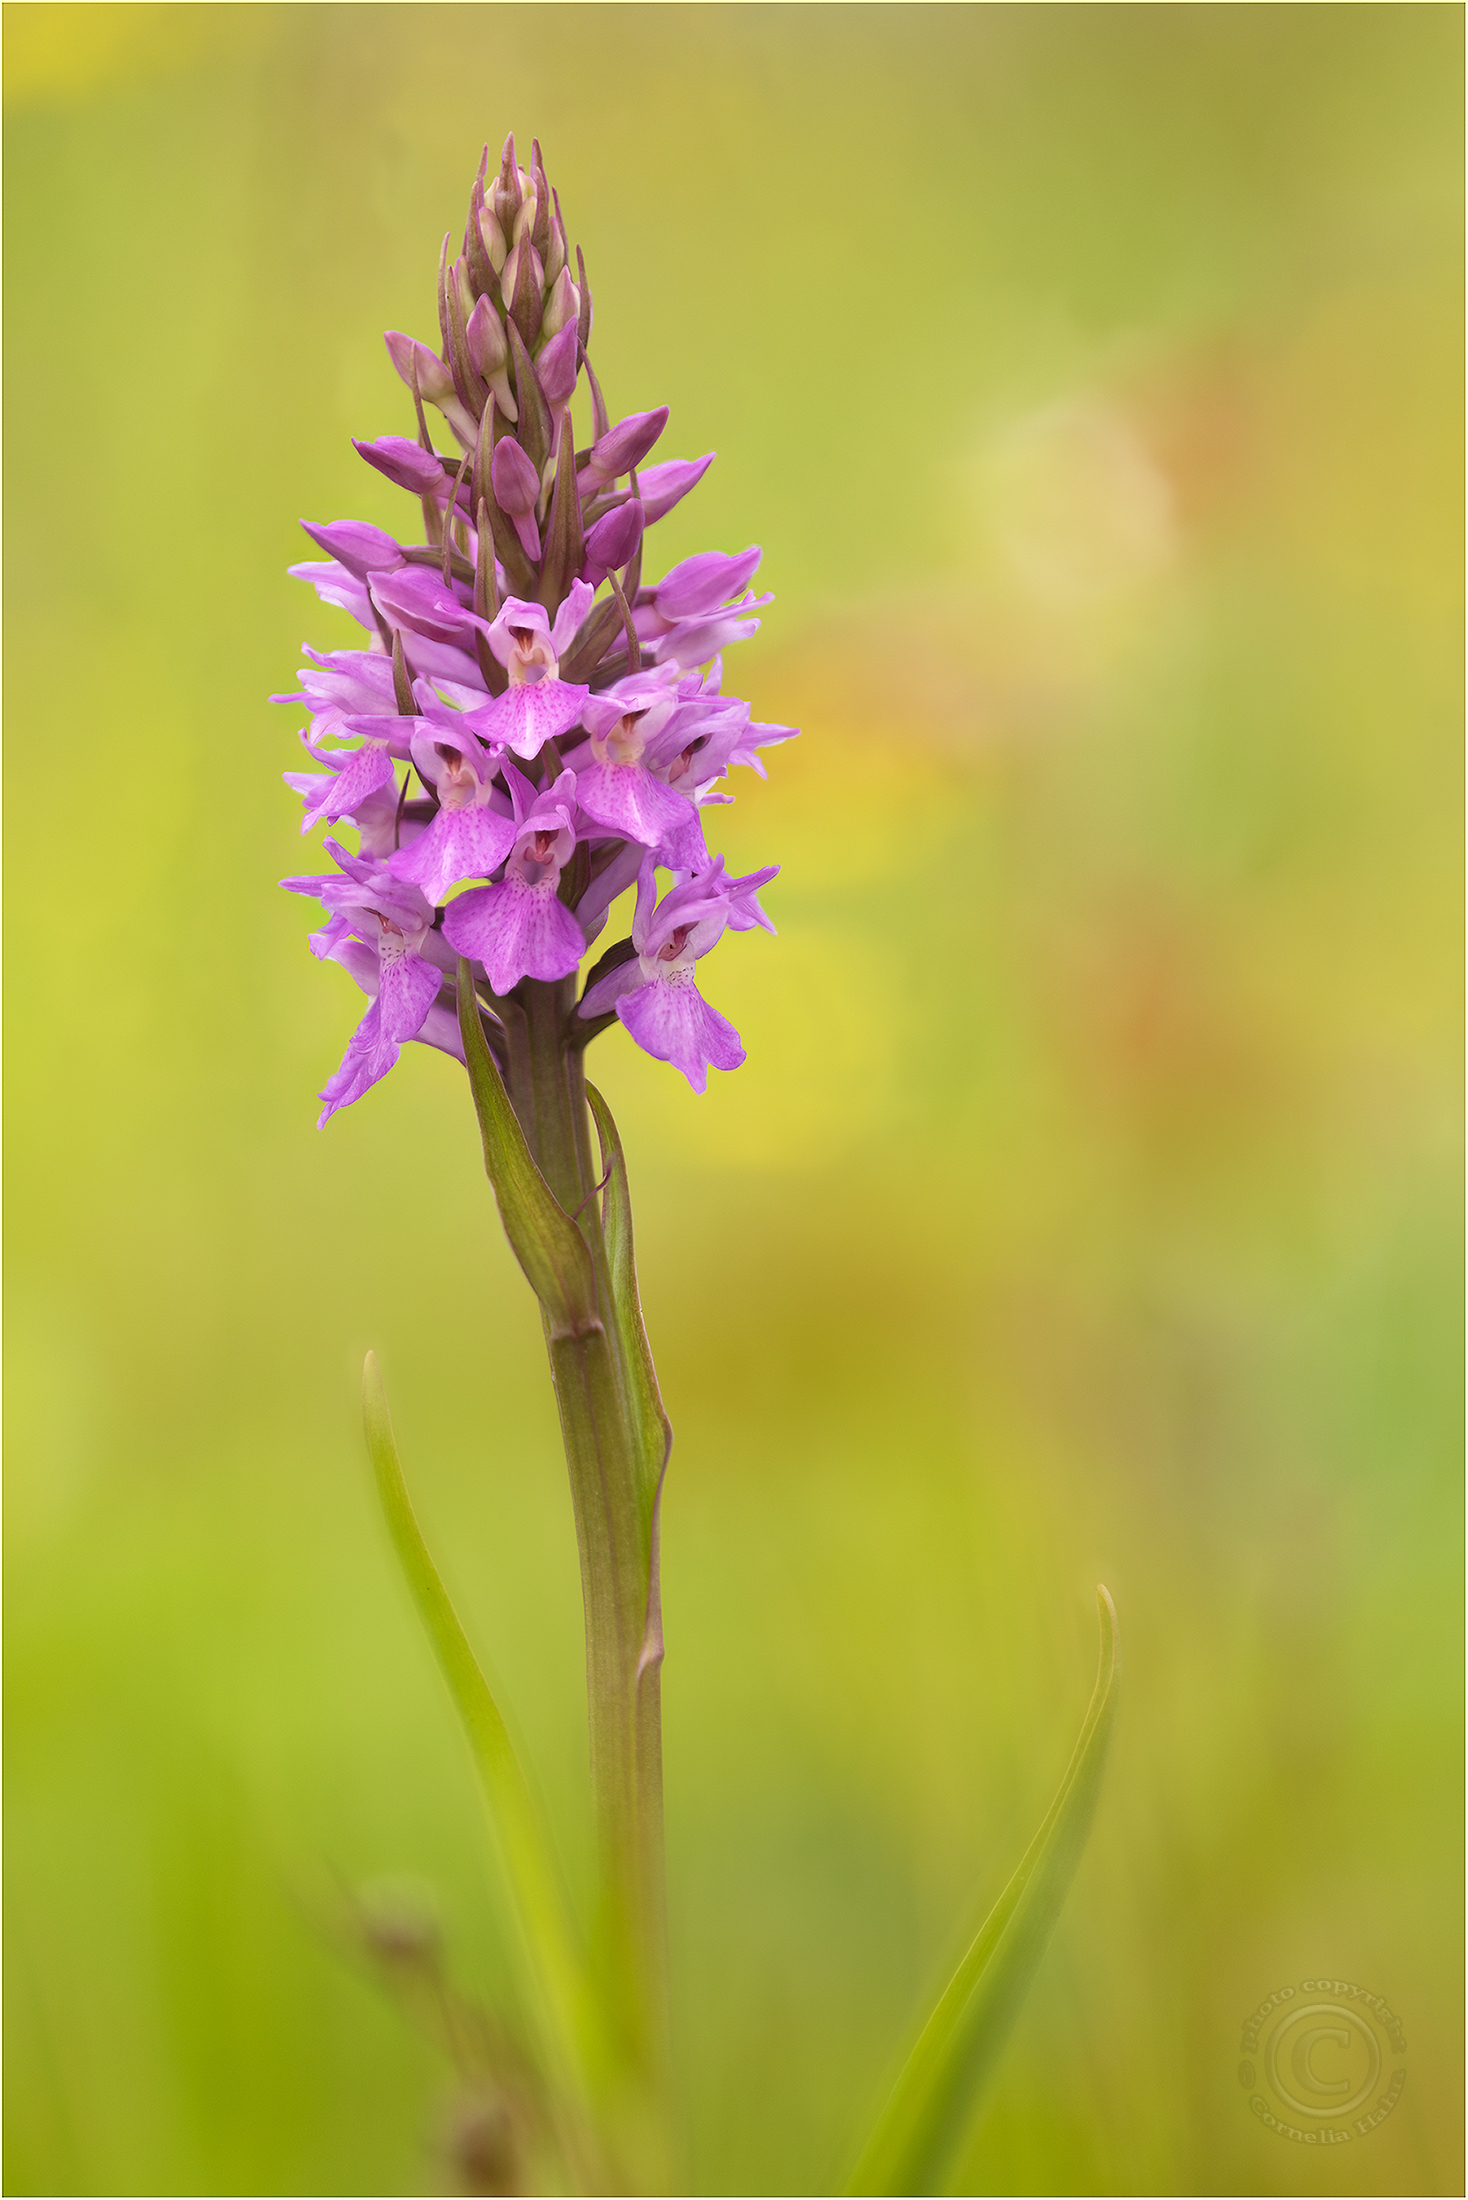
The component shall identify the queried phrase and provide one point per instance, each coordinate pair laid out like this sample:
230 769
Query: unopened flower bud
540 228
622 448
557 255
561 306
488 350
404 462
612 541
523 286
516 483
360 548
433 378
489 354
423 369
516 489
494 237
556 368
507 187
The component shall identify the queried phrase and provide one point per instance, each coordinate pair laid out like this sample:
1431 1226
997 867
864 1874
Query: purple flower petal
516 930
671 1020
607 991
525 718
361 773
666 485
459 844
630 801
407 990
340 682
570 615
417 598
336 586
703 584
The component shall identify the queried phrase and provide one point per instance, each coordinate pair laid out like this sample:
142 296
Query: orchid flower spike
531 727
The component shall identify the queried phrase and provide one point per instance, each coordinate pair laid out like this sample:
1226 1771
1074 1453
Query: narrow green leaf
567 2007
934 2099
654 1429
542 1236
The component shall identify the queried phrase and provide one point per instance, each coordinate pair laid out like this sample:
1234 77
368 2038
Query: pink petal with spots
363 771
671 1020
516 931
628 799
468 843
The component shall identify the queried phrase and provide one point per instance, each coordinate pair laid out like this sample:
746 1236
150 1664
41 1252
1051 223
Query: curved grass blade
568 2012
934 2099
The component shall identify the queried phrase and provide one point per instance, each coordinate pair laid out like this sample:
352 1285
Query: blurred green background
1088 1205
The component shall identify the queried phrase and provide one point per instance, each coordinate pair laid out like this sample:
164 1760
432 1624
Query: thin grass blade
558 1973
933 2101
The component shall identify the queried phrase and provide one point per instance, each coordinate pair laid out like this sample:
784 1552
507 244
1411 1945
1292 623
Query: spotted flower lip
656 995
519 927
473 831
616 785
345 787
520 742
350 777
522 720
407 988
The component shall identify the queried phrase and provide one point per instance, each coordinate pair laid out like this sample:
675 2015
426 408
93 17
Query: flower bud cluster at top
564 721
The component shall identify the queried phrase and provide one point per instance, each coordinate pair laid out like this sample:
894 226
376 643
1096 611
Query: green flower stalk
563 737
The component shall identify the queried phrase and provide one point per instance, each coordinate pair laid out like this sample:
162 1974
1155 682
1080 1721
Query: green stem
604 1455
